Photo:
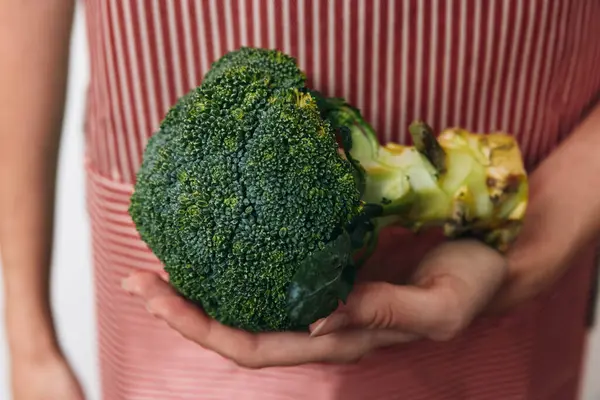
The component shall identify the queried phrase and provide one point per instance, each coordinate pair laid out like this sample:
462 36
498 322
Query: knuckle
246 356
384 314
382 318
450 321
163 307
145 279
246 363
351 353
144 284
250 362
186 335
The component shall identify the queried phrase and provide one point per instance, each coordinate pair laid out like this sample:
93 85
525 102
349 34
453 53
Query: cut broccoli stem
467 183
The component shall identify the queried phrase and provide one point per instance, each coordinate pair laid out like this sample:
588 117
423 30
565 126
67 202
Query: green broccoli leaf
323 279
362 225
358 171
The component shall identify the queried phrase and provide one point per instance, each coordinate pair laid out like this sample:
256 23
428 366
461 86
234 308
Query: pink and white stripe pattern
528 67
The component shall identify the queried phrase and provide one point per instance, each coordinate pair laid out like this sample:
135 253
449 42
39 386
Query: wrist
30 336
535 261
32 348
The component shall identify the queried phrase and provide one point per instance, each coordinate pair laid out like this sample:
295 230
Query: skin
34 43
447 291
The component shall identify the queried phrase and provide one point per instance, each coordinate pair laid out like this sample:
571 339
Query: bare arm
34 43
563 214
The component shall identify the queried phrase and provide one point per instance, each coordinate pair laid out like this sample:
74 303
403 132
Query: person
429 319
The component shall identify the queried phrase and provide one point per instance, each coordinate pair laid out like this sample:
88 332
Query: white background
72 290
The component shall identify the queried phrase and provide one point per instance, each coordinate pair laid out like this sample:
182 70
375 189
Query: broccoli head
241 185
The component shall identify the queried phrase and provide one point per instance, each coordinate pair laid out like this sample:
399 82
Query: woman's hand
46 377
450 287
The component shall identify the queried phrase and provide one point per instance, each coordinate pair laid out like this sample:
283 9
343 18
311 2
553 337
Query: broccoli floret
242 182
282 68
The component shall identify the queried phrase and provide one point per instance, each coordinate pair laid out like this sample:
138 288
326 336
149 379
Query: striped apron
528 67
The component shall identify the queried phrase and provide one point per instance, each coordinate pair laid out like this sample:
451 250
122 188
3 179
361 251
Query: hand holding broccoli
452 285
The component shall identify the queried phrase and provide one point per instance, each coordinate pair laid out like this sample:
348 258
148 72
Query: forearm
34 43
563 214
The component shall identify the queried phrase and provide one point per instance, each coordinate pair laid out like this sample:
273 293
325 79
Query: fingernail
126 285
330 324
150 309
316 326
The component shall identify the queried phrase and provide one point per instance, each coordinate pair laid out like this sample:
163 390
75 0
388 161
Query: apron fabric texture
528 67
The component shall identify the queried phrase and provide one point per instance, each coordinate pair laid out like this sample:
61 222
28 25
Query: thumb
452 284
381 305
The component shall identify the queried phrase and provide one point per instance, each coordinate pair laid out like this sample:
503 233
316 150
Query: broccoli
282 69
242 181
262 220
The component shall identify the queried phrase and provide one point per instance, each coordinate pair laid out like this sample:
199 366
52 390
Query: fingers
451 286
268 349
469 265
147 285
291 349
385 306
255 350
468 275
187 319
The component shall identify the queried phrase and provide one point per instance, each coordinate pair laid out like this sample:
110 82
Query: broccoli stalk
469 184
481 190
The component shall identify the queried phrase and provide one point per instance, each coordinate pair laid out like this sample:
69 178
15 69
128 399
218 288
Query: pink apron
529 67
